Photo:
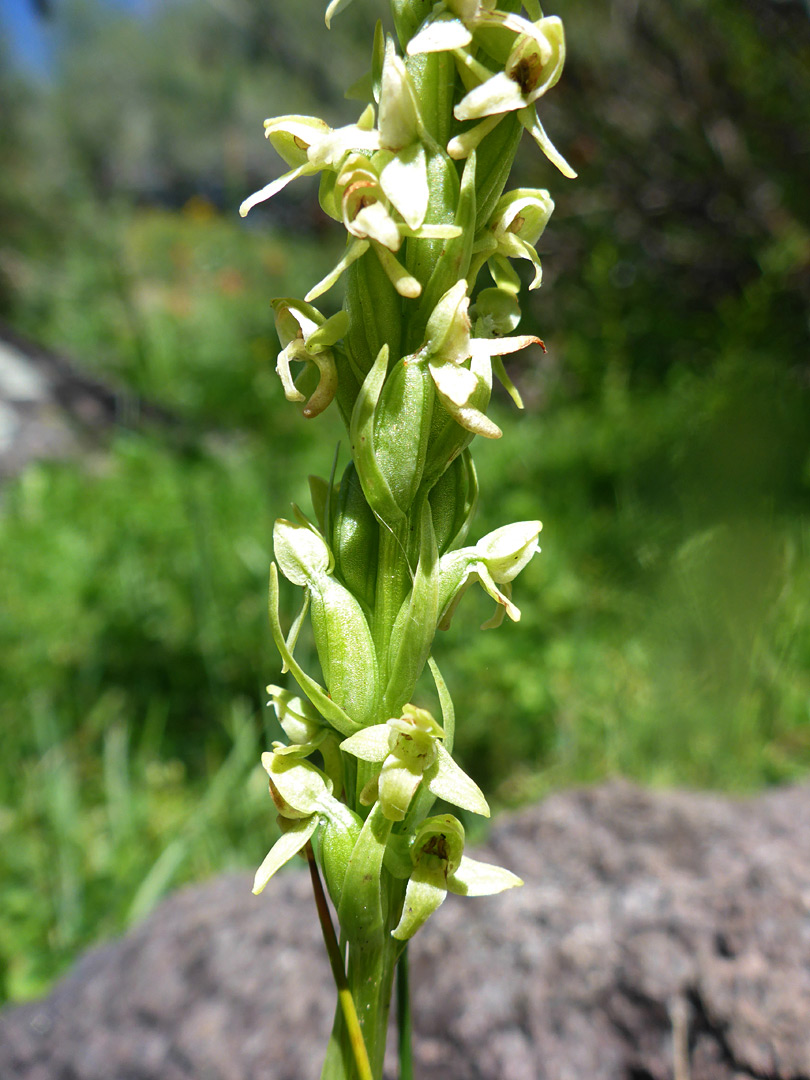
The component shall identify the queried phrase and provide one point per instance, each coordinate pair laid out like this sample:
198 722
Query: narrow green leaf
446 702
375 486
360 912
314 691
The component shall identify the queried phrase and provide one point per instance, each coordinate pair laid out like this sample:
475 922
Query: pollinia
418 182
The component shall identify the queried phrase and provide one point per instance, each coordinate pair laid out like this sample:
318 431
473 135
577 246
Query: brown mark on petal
352 197
527 71
437 845
281 805
299 142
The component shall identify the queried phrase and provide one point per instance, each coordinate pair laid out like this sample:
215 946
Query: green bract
303 797
417 184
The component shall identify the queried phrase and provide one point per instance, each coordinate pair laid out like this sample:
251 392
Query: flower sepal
339 625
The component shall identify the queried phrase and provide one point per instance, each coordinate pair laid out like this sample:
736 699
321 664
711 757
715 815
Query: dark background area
665 443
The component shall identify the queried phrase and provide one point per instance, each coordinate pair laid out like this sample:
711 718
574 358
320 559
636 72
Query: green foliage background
666 440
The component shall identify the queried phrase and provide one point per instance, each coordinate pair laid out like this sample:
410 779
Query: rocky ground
50 408
659 936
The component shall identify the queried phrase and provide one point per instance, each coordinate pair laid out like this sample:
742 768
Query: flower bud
399 121
496 313
355 538
301 553
298 787
453 500
401 429
342 636
299 720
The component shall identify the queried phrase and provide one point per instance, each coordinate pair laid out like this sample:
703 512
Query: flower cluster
419 184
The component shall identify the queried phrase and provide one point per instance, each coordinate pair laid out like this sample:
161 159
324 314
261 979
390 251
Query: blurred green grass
666 444
665 632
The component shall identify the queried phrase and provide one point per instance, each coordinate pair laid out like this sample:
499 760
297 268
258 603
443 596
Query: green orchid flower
532 66
379 205
307 732
516 225
494 563
307 337
464 389
439 866
304 800
410 749
383 198
311 146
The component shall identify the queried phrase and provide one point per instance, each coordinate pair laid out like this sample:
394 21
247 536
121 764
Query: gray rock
51 409
658 936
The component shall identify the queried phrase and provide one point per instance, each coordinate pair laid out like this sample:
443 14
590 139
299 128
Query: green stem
404 1017
371 978
345 1000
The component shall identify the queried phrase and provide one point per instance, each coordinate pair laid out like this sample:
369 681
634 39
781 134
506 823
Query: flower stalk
419 185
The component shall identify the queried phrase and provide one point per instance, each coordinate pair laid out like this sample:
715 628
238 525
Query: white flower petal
368 744
440 35
404 181
287 845
273 188
528 117
499 94
474 878
375 223
291 392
